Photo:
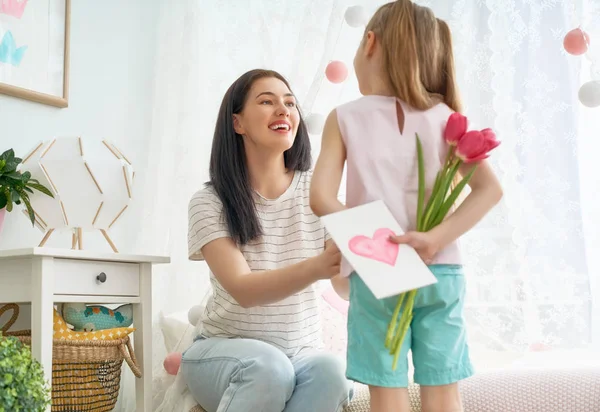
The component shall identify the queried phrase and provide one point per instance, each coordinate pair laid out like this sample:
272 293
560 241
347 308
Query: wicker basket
86 375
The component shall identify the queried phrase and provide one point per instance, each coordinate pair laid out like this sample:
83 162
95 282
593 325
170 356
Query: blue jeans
239 375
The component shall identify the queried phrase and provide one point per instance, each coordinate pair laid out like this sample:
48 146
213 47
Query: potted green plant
15 186
22 384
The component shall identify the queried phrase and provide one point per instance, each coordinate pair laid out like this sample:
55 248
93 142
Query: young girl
405 71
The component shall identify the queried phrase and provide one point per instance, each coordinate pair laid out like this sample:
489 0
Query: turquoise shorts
436 337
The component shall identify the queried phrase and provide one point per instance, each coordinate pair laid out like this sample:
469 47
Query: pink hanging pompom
172 363
336 71
576 42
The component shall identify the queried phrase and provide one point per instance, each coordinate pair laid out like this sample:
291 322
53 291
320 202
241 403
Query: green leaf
29 209
3 200
40 188
26 176
22 383
9 203
9 155
434 191
391 332
453 196
421 194
14 175
440 196
15 195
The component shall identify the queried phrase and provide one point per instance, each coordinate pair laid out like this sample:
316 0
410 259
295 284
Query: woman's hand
426 244
327 264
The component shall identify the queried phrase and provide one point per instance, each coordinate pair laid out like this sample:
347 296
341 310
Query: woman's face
270 117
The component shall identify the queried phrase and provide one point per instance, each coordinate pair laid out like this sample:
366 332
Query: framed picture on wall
34 50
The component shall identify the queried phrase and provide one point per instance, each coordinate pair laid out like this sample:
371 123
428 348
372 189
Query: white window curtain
533 280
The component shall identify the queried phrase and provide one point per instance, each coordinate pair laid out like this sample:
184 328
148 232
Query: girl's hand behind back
426 244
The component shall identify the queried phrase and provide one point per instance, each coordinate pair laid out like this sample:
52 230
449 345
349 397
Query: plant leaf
14 175
8 155
431 200
441 195
453 196
40 188
29 210
421 194
15 196
3 200
26 176
9 203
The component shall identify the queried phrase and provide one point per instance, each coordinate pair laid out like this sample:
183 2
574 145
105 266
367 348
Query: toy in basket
86 366
95 317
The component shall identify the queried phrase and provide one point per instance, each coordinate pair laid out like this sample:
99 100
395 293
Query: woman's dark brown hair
228 169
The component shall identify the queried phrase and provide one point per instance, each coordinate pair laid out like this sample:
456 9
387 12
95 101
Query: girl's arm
327 176
340 284
325 184
259 288
486 192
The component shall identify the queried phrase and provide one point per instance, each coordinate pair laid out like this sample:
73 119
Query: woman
258 349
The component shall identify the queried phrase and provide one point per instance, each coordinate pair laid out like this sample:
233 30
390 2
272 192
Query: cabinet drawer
84 277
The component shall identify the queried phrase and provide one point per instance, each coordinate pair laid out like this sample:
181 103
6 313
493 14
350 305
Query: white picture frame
34 50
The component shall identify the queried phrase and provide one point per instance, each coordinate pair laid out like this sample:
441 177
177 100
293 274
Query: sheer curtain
533 282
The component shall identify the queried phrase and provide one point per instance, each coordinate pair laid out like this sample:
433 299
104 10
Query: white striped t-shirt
292 233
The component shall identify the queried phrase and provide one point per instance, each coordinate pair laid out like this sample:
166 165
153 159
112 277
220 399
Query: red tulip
456 127
475 145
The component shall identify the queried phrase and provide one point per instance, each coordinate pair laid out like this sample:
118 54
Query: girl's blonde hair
418 58
417 53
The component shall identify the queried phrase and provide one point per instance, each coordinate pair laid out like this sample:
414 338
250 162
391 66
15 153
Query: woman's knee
330 371
242 367
271 372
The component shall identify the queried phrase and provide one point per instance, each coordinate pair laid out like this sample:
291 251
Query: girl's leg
440 350
238 375
443 398
389 399
321 384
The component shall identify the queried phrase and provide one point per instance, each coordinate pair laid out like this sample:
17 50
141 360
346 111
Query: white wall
111 83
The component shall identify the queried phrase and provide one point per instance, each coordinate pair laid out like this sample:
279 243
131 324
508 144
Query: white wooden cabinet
44 276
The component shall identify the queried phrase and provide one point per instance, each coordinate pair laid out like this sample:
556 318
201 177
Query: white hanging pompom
194 314
356 16
314 123
589 93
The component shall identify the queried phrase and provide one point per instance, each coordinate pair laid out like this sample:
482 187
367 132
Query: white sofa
539 382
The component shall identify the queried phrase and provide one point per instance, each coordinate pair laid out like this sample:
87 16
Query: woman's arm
486 192
327 176
258 288
340 284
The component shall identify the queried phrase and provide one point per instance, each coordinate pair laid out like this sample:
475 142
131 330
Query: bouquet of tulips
469 147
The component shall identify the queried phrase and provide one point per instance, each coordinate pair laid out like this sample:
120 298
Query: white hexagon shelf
92 183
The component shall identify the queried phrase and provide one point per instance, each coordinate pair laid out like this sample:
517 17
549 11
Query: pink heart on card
377 248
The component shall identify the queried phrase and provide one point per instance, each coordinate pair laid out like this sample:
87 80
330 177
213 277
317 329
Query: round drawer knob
101 277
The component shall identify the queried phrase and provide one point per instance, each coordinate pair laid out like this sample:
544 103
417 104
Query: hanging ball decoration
336 71
589 93
356 16
576 42
314 123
